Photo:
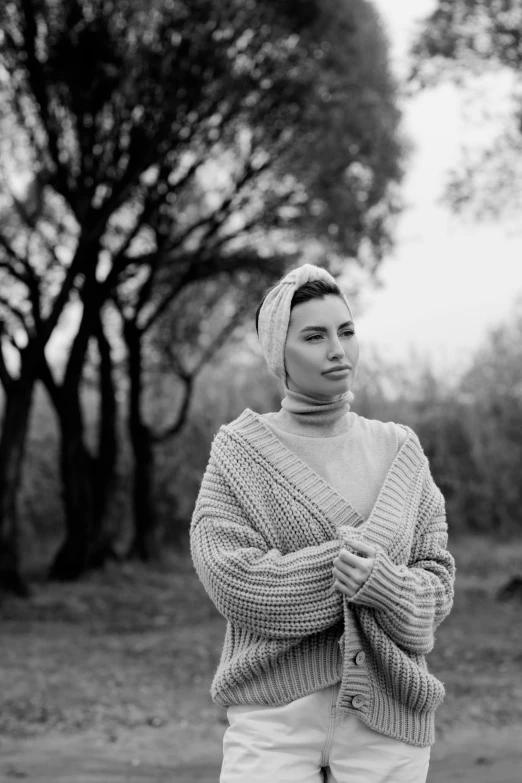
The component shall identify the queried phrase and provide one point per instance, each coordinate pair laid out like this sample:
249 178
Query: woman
321 537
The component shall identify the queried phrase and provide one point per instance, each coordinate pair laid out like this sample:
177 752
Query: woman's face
321 351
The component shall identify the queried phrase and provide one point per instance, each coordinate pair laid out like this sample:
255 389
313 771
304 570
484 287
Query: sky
450 278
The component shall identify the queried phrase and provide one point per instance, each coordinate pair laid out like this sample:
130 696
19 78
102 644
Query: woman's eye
315 337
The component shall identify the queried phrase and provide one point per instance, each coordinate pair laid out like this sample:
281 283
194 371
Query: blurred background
161 165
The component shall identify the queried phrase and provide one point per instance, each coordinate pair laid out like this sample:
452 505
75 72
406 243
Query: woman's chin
335 386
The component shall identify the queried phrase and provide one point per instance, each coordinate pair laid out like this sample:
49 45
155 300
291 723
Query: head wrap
274 315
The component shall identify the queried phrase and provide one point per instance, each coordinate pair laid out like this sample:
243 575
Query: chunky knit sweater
265 530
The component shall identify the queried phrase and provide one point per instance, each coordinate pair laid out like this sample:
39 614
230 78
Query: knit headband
274 316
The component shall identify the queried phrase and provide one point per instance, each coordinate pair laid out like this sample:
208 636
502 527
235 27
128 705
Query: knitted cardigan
264 533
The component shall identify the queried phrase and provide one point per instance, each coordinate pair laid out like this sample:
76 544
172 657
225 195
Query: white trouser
293 742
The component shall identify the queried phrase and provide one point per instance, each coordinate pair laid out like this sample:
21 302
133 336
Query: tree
463 40
344 138
176 344
493 389
170 143
35 290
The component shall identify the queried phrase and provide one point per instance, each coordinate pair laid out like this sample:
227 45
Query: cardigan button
360 658
358 701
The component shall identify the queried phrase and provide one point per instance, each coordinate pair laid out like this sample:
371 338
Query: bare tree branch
218 243
167 300
83 251
47 378
32 223
37 81
15 311
17 262
120 259
215 219
146 289
28 277
5 378
189 376
18 105
182 415
182 181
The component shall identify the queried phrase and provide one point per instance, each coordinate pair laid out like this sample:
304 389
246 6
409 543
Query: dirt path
493 756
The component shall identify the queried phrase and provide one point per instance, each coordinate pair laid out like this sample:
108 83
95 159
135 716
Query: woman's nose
335 348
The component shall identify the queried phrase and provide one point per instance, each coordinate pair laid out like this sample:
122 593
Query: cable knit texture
274 315
264 533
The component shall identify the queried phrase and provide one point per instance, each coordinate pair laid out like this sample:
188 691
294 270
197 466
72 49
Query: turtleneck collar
310 410
304 415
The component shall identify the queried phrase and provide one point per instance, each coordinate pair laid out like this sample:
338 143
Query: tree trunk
18 401
104 468
145 544
86 484
86 480
76 469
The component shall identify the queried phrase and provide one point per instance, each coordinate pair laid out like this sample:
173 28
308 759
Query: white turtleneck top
352 453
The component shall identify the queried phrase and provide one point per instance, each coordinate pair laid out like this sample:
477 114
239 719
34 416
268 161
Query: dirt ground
488 756
107 681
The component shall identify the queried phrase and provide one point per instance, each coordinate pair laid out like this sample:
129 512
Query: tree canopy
148 149
463 40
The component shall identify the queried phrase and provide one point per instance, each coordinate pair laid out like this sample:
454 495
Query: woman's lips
337 372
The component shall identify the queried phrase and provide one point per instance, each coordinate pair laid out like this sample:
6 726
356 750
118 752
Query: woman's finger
346 579
361 547
354 571
342 588
348 558
342 575
345 571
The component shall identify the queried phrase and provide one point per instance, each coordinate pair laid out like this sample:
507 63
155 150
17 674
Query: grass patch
136 646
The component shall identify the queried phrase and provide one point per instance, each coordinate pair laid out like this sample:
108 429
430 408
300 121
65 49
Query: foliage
493 385
466 32
470 429
148 149
196 121
465 40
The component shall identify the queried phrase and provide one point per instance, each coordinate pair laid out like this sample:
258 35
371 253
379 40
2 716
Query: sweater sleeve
279 596
410 601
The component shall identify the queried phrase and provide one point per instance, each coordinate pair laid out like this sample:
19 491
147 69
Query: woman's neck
305 415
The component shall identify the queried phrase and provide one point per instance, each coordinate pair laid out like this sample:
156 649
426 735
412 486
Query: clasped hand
351 570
